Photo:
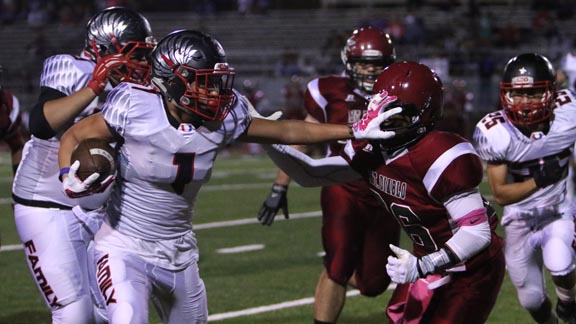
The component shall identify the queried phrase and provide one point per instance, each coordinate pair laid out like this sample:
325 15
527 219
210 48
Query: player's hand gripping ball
95 156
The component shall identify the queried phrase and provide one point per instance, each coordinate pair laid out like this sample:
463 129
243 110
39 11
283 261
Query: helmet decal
118 30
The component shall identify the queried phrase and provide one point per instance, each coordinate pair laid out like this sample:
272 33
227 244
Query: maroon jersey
334 100
10 121
9 115
414 185
356 231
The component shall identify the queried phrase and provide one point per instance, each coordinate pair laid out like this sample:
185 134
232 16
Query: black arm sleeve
38 124
117 137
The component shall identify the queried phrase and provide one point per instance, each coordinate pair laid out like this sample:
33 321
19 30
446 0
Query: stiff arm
309 172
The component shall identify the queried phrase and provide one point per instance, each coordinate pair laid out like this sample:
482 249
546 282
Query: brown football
94 155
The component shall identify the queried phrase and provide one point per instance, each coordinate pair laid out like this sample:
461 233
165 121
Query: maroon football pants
467 299
356 232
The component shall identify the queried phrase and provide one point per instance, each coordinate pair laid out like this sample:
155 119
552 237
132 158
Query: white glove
368 127
76 188
403 268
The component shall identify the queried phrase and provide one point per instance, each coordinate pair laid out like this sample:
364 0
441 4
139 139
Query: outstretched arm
278 196
309 172
301 132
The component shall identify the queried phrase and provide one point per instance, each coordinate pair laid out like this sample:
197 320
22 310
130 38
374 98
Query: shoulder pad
66 73
492 137
565 102
135 103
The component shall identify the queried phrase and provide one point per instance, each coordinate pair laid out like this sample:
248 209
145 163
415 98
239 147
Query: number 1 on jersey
185 172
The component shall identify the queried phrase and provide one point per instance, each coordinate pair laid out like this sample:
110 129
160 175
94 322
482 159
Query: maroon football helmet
367 46
421 95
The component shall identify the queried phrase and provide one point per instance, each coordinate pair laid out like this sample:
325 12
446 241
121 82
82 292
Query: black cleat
566 311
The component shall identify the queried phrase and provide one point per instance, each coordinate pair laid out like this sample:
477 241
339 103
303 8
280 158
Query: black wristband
454 259
421 274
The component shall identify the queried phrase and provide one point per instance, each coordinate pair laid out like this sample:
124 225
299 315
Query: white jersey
162 164
36 181
497 140
568 64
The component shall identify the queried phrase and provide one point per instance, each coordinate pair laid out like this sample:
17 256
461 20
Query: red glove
102 71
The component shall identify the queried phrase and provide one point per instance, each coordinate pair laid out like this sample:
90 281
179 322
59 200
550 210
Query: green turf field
272 284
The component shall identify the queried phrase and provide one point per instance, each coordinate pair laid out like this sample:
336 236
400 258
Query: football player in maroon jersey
428 180
355 233
11 131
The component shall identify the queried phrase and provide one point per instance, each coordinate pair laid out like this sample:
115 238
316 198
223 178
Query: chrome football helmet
190 69
419 92
366 53
118 30
527 90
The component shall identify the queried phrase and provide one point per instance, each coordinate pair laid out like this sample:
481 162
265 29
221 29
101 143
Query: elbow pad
38 124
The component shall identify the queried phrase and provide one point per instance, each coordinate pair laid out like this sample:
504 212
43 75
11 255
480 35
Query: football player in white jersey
55 233
170 135
527 146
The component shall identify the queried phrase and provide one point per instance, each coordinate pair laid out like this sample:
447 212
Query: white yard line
274 307
241 249
252 220
197 227
12 247
5 201
239 186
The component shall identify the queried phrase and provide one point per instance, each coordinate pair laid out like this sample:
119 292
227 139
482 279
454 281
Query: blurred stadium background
276 46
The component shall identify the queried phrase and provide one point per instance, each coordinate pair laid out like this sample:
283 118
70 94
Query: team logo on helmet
523 80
